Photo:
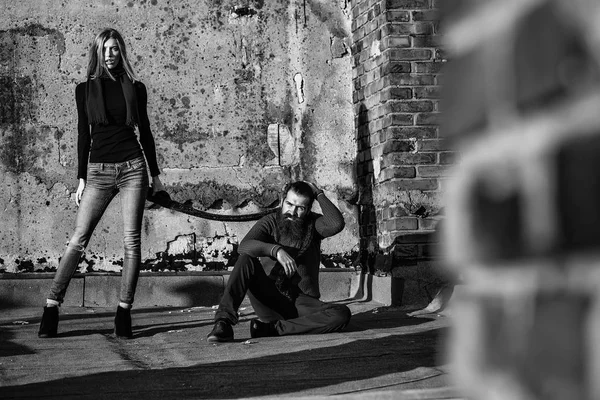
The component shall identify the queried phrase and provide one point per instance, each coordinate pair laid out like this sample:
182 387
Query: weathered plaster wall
226 80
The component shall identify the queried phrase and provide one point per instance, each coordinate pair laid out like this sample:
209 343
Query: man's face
295 206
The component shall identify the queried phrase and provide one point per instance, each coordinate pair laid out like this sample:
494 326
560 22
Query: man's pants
304 315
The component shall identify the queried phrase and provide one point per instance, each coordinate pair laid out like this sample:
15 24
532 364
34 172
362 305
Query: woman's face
112 57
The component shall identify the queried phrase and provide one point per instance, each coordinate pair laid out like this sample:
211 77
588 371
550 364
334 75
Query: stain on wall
219 74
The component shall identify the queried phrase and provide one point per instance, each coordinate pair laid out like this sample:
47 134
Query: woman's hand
79 192
157 185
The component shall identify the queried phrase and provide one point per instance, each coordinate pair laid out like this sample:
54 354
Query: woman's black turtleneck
116 141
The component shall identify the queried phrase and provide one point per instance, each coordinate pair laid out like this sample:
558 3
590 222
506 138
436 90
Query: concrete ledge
176 291
187 289
18 290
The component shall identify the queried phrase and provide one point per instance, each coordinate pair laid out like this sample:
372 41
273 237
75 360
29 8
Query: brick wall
401 160
521 99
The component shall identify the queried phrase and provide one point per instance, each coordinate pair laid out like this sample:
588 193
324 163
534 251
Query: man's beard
291 229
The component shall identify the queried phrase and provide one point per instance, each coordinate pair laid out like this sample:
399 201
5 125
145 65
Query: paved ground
383 354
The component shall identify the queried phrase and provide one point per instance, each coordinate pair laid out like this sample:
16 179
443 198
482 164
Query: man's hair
301 188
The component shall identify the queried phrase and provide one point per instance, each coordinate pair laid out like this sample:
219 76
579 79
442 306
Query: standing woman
110 104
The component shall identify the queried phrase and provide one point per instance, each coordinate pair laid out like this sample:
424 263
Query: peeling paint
339 48
35 30
331 15
299 82
214 195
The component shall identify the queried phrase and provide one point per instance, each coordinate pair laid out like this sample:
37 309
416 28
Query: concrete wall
221 76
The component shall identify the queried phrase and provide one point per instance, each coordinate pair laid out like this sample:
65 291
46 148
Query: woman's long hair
97 66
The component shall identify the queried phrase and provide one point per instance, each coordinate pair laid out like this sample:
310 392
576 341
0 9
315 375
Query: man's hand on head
314 188
288 263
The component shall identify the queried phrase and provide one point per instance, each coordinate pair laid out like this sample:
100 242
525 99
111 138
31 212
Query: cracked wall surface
220 75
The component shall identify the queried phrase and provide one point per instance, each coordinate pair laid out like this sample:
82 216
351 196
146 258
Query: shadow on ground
262 376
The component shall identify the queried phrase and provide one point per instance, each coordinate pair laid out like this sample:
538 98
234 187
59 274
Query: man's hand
79 192
288 263
314 188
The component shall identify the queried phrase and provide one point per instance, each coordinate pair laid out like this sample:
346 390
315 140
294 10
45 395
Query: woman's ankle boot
49 324
123 323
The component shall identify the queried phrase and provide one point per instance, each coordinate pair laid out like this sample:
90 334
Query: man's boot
262 329
222 332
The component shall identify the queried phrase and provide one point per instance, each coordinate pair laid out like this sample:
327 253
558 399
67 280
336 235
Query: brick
396 132
377 9
417 184
363 7
537 81
362 20
364 56
406 250
414 28
464 96
577 164
369 64
428 15
395 42
496 225
411 80
395 67
375 112
427 41
406 4
433 145
427 67
556 342
355 12
449 157
395 212
393 106
428 224
396 173
408 159
428 118
415 238
397 119
430 250
376 125
402 224
433 171
373 87
372 26
358 34
397 16
370 14
395 93
428 92
396 146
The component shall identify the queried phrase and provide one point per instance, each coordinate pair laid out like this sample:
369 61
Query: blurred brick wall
521 100
401 161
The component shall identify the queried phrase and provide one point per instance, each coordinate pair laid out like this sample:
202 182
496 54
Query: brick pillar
401 161
521 99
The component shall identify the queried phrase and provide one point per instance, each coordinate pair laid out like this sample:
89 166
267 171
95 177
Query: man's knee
340 315
247 263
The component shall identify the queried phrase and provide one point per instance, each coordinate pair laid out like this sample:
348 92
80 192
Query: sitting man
278 267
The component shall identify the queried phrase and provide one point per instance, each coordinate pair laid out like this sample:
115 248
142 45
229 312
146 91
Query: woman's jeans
104 181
